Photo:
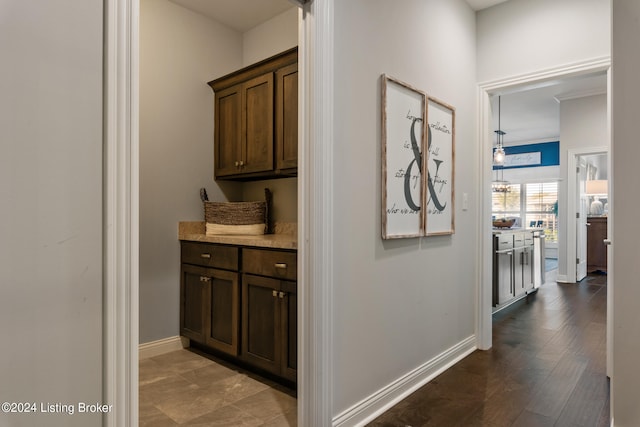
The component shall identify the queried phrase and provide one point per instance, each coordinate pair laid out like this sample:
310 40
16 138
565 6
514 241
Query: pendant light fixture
498 152
499 185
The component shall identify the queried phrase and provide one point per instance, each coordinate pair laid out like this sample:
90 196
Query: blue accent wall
549 154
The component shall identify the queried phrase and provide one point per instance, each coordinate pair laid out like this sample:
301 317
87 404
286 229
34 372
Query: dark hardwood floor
547 367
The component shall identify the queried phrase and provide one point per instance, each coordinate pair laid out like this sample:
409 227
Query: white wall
521 36
397 304
271 37
180 51
525 36
285 197
626 205
267 39
51 215
583 124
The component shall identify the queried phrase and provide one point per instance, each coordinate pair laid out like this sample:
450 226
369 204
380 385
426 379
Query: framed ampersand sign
440 168
403 135
418 138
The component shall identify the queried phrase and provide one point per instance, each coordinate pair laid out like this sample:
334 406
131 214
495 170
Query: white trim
610 227
382 400
562 278
579 94
120 221
315 215
501 86
484 295
543 77
163 346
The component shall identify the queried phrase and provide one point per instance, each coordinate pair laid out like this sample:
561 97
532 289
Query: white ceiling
241 15
533 113
483 4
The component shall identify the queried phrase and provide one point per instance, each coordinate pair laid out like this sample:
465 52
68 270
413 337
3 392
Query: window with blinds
507 204
535 204
541 208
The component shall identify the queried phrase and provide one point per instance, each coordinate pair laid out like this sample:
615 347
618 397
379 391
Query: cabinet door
192 303
505 276
287 117
289 299
257 125
222 311
527 268
261 322
518 272
228 131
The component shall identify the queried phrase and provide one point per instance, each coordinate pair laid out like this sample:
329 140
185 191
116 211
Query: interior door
581 221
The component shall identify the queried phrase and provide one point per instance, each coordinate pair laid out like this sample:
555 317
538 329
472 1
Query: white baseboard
562 279
165 345
376 404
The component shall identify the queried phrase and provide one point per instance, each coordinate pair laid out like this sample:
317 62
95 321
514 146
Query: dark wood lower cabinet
269 318
251 317
192 303
210 307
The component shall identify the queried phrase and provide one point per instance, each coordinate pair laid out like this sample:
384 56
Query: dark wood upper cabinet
256 120
228 128
287 117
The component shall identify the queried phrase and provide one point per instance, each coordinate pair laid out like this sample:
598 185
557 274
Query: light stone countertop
285 237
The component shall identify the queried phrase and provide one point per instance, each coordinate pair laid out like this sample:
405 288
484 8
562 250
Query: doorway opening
522 85
568 204
183 45
588 208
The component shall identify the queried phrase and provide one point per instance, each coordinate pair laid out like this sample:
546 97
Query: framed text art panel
403 134
441 135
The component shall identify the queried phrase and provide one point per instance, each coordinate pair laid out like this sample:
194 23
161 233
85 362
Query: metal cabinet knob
280 265
205 256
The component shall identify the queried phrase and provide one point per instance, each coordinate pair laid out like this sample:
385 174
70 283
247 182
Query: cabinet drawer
279 264
210 255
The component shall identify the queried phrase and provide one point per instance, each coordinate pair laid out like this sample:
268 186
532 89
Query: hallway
546 368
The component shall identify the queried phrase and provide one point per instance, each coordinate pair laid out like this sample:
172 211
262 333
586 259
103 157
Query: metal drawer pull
205 256
280 265
274 293
282 294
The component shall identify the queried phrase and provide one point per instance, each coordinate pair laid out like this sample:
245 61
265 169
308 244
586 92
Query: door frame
573 196
120 216
121 208
485 142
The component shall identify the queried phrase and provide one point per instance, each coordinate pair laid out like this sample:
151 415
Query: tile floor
184 388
